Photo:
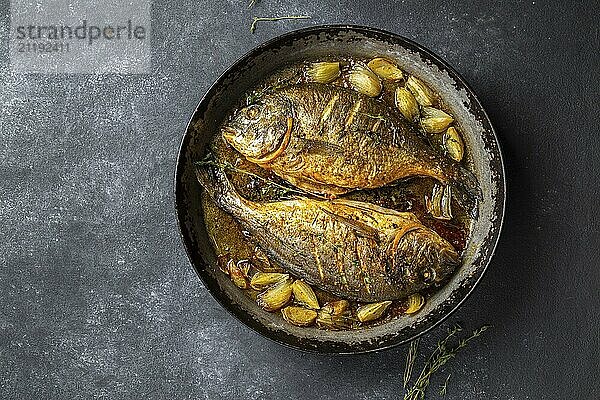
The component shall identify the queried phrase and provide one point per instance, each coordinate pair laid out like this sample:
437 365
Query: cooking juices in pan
338 193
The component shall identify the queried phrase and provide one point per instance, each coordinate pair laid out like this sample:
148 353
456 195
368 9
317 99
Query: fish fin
467 191
218 187
361 228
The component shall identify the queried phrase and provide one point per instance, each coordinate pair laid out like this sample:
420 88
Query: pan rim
500 182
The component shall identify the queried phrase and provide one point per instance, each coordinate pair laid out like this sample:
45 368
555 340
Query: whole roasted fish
352 249
331 140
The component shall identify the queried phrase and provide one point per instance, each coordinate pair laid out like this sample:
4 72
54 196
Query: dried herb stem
227 166
379 117
411 356
444 387
258 19
438 358
253 96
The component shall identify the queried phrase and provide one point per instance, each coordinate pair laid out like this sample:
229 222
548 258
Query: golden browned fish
331 140
352 249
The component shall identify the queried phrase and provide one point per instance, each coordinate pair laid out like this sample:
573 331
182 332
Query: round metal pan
483 157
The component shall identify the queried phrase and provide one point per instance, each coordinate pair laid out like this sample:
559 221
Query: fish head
447 261
260 128
426 259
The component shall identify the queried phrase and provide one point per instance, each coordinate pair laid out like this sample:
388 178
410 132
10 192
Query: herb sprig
444 387
411 357
227 166
443 353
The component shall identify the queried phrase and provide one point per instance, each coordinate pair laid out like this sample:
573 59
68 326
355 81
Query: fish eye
428 275
252 112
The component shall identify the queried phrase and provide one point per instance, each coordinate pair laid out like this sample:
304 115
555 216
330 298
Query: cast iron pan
483 157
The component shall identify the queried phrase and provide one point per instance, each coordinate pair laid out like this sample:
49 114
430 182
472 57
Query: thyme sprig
258 19
411 356
438 358
379 117
227 166
254 95
444 387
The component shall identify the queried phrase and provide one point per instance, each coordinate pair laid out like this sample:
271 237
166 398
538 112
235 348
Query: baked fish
353 249
331 140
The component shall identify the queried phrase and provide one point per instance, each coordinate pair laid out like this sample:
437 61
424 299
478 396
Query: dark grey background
97 298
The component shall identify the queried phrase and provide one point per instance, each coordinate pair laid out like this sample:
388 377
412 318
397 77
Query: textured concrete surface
97 299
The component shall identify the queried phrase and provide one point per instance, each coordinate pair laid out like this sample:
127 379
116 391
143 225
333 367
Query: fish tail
218 187
467 191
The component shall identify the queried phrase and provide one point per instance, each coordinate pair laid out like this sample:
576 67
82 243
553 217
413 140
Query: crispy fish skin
352 249
331 140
